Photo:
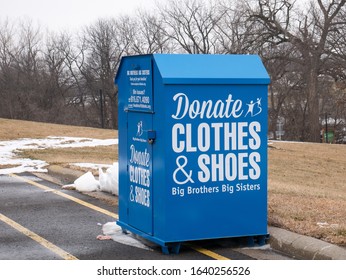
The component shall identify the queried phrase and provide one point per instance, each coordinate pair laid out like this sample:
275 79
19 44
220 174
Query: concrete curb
304 247
293 244
65 175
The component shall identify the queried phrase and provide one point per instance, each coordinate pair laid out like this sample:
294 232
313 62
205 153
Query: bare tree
308 33
191 25
148 34
286 85
236 34
7 75
26 67
94 63
56 82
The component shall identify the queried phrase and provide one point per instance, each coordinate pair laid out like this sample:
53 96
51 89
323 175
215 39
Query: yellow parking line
208 253
50 246
79 201
111 214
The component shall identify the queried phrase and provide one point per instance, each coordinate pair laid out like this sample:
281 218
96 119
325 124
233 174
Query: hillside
307 182
14 129
307 189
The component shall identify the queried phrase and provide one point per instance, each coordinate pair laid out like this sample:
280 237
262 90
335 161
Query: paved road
39 220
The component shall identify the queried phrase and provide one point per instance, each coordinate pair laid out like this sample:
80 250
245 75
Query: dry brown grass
306 186
14 129
101 154
307 189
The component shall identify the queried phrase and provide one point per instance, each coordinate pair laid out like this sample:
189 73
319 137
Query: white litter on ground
114 231
86 183
107 182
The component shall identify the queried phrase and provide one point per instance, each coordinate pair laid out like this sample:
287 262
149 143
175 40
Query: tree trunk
313 109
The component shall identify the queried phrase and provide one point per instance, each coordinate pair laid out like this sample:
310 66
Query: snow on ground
9 158
11 163
95 166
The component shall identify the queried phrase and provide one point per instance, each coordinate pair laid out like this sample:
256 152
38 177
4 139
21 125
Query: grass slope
307 189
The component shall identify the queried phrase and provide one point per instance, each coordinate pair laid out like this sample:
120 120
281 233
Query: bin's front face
205 175
216 175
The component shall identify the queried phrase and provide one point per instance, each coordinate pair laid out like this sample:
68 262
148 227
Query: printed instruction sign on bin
140 97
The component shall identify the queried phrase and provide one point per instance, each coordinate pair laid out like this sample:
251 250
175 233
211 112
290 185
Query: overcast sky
69 14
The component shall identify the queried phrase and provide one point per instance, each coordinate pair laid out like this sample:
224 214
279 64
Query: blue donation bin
192 147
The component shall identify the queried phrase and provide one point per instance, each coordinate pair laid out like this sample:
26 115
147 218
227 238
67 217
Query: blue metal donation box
192 147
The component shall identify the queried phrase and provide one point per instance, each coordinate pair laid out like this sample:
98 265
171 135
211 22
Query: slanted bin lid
211 69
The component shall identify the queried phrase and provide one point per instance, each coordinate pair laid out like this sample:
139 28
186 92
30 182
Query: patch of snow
9 148
263 247
108 180
95 166
23 165
327 225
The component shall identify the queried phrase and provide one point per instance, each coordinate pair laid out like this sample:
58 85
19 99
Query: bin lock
151 136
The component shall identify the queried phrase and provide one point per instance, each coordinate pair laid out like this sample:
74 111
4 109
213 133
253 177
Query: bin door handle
151 136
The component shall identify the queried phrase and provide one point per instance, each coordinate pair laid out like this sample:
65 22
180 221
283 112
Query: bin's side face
135 151
216 165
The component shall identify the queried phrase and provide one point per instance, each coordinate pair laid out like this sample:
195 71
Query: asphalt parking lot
41 221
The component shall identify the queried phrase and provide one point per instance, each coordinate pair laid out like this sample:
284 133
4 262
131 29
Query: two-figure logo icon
254 108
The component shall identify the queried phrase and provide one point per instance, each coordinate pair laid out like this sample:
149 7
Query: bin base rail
174 247
259 240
